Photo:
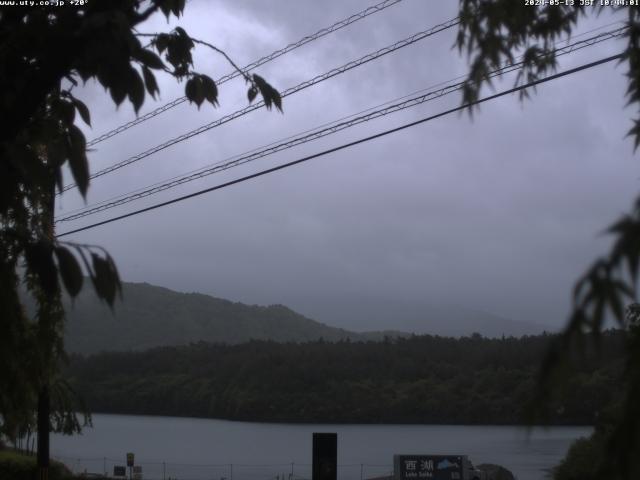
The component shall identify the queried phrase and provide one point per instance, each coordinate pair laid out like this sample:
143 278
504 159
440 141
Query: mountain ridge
152 316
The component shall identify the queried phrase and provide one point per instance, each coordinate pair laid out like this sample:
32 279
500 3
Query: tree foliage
45 52
421 379
495 31
14 465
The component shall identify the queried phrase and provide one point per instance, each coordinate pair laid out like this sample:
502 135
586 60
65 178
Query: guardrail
104 466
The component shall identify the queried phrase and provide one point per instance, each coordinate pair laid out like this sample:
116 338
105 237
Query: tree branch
142 16
212 47
221 52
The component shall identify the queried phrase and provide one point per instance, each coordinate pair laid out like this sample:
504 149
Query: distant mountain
151 316
369 313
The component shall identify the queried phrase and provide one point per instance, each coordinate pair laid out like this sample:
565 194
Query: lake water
194 448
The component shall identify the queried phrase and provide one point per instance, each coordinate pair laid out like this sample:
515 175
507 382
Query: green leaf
178 7
59 181
82 110
269 94
263 87
106 280
118 91
635 133
200 93
251 94
161 42
57 155
180 31
179 47
136 89
150 82
277 99
78 159
114 273
190 89
210 90
69 270
40 261
194 90
150 59
165 7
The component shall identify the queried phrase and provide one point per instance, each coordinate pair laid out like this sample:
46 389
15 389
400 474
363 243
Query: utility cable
255 64
325 31
309 135
290 91
596 39
349 144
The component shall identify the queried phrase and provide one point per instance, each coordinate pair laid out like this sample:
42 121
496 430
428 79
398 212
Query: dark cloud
500 213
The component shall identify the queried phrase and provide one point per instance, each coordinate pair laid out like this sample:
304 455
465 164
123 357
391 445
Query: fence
229 471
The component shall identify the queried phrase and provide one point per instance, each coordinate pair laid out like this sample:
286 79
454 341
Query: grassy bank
18 466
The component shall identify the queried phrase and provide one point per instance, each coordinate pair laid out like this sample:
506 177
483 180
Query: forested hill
421 379
151 316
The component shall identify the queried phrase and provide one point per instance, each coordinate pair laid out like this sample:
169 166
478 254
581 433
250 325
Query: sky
497 213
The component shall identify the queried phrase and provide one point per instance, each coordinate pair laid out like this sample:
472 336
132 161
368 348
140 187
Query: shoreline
357 423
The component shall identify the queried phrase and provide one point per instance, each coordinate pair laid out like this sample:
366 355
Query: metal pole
231 471
361 468
104 465
291 471
43 432
164 470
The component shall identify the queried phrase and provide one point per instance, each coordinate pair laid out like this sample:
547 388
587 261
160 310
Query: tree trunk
44 404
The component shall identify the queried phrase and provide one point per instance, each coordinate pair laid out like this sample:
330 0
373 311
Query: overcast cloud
500 213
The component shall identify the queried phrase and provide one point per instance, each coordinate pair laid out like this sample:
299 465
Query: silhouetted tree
493 32
46 51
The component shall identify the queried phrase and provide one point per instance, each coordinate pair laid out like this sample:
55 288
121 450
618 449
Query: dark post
44 408
325 456
43 433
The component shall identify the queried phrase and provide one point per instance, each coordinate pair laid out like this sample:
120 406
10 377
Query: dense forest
419 379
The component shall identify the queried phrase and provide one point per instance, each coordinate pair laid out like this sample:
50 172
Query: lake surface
199 449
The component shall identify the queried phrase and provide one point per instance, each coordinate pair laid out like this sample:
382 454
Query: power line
261 61
290 91
558 51
349 144
328 129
